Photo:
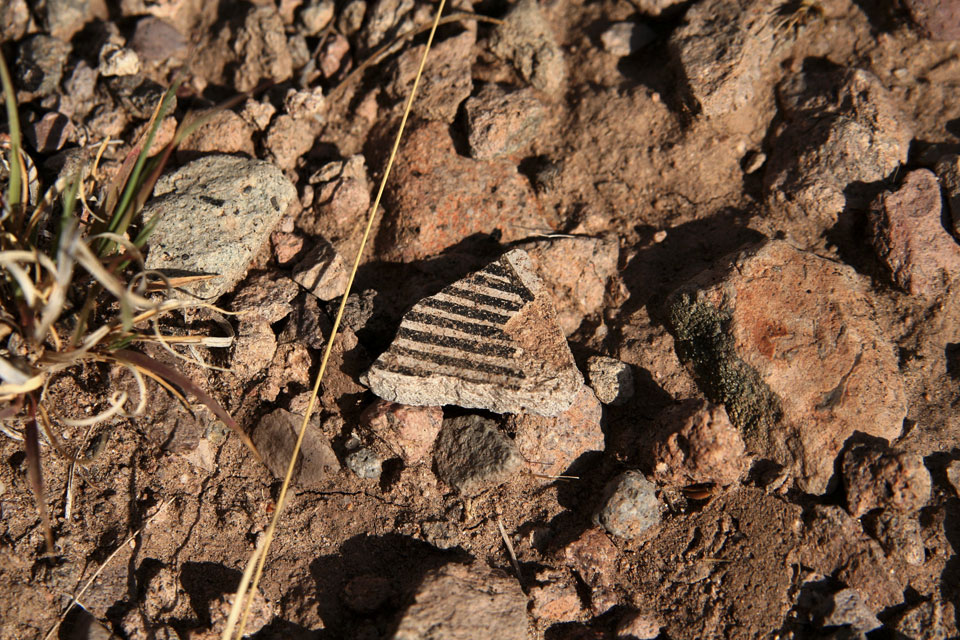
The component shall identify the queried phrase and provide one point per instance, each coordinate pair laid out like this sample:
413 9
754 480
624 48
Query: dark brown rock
49 133
473 455
275 437
876 476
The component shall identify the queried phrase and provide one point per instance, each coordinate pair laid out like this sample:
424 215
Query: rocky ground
657 336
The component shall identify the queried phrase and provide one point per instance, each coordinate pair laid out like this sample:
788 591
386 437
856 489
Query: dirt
625 147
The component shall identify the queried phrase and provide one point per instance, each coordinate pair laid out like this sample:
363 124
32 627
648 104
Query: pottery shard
909 237
407 431
786 341
876 476
697 444
488 341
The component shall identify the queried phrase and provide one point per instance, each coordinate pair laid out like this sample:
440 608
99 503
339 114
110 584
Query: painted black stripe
421 373
461 363
483 330
508 287
481 348
497 269
466 312
479 298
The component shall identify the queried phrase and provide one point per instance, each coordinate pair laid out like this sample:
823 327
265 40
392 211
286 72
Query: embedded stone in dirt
610 379
551 445
953 475
697 445
158 42
924 621
264 296
225 132
948 171
49 133
909 238
440 198
39 66
898 534
576 271
275 437
636 625
940 19
473 455
446 80
841 131
322 271
501 123
408 431
875 475
261 45
786 341
846 607
626 38
526 39
215 214
365 463
342 197
554 598
593 556
464 602
488 341
630 507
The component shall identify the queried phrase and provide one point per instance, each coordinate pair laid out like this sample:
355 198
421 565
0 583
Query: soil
623 146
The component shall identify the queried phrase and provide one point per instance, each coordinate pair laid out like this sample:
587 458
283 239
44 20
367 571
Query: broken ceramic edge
488 341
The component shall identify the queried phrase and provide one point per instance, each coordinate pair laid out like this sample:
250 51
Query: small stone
332 55
118 61
306 103
458 602
473 455
501 123
697 444
948 172
875 475
16 20
446 80
264 296
316 16
64 18
258 114
441 534
846 607
225 132
630 506
408 431
253 348
593 556
637 625
286 247
275 437
909 238
261 612
953 475
626 38
551 445
611 379
215 215
654 7
261 45
365 463
940 19
923 621
158 42
386 17
289 138
343 191
753 161
49 133
366 593
358 310
488 341
322 271
526 39
898 534
555 601
39 66
351 17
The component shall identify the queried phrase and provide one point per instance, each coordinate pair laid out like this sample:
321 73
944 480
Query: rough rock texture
626 38
459 602
555 601
39 66
696 444
264 296
551 445
365 463
501 123
446 80
261 46
786 341
909 238
593 556
724 49
322 271
637 625
576 270
939 19
953 475
488 341
924 621
473 455
630 507
438 198
840 131
158 42
610 379
527 41
898 534
275 437
948 171
407 431
225 132
342 193
847 607
876 476
215 214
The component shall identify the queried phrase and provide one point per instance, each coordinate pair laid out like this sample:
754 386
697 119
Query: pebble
611 379
473 455
216 213
654 7
351 17
898 534
335 49
846 607
39 66
637 625
697 444
622 39
16 20
261 45
118 61
874 476
225 132
923 621
554 598
158 42
49 133
342 192
289 138
275 437
408 431
751 329
322 271
447 79
265 297
463 602
501 123
488 341
316 16
64 18
948 173
306 103
939 19
753 161
258 114
593 556
909 239
630 506
365 463
527 41
953 475
386 17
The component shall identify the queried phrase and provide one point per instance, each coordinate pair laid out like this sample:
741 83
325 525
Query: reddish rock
909 237
286 246
940 19
49 133
527 40
550 445
322 271
225 132
876 476
288 138
261 45
408 431
555 598
593 556
342 197
332 54
698 445
438 198
899 535
786 341
264 296
501 123
446 80
637 625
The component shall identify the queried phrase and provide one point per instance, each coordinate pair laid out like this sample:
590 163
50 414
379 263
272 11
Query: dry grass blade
32 441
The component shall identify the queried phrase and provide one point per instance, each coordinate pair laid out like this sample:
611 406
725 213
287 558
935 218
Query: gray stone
16 20
630 506
275 437
215 214
527 41
610 379
322 271
501 123
40 62
63 18
365 463
473 455
846 607
626 38
489 341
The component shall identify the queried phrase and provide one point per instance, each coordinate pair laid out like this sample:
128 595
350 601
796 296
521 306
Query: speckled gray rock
322 271
630 507
215 214
610 379
846 607
473 455
365 463
488 341
500 123
275 436
39 67
526 40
